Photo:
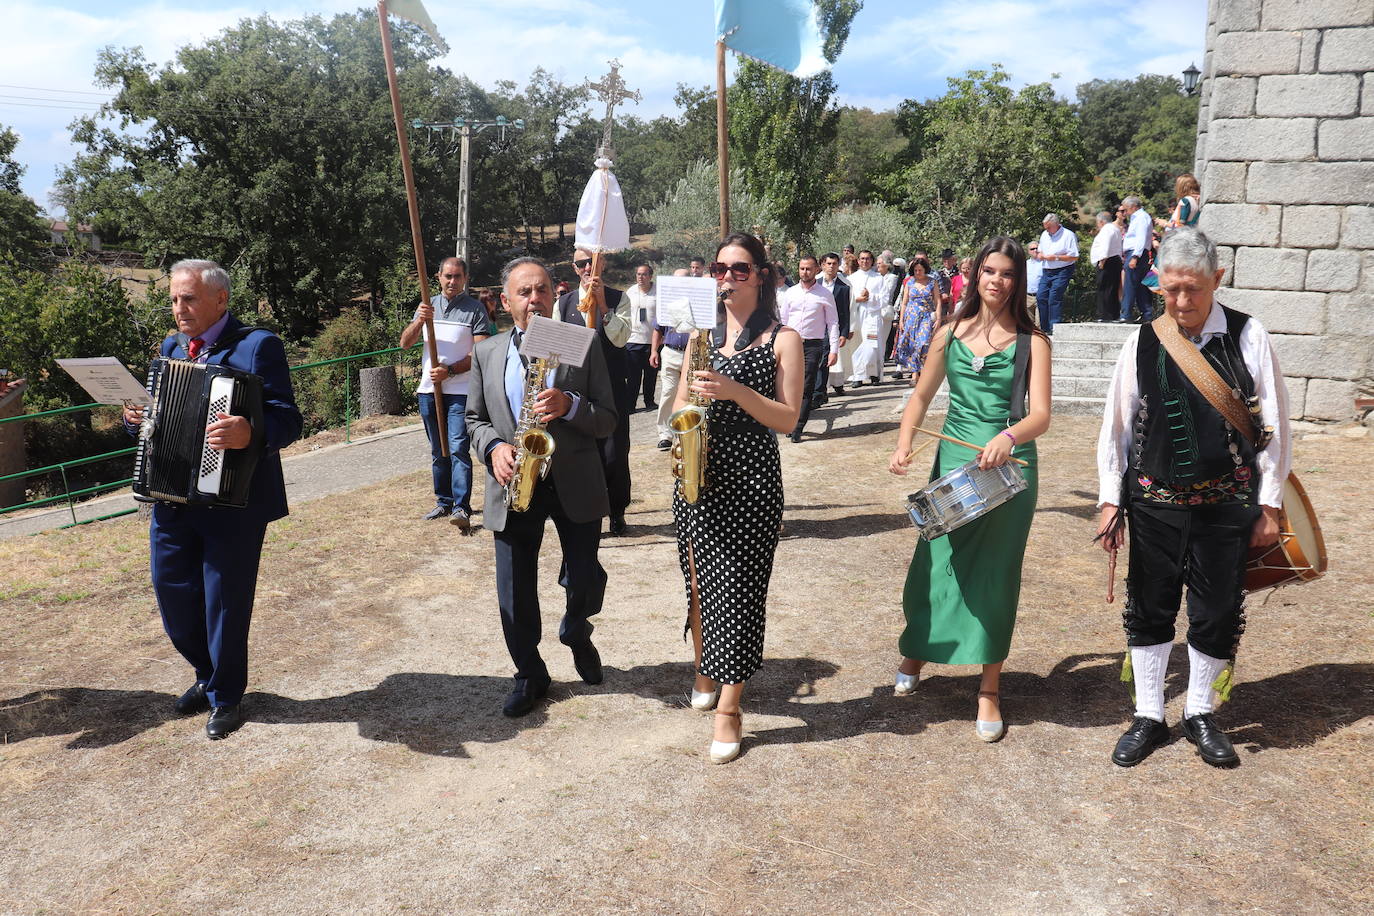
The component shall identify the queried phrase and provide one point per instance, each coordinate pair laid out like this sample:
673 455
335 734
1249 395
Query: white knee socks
1149 664
1203 670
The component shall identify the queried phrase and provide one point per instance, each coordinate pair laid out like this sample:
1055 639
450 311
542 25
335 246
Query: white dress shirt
1138 234
1055 247
1123 402
811 313
643 313
1106 244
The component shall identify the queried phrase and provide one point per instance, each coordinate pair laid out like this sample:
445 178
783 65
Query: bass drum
1299 555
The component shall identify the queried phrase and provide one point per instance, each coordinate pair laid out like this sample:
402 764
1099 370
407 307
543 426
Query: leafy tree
1111 112
687 222
272 148
871 226
654 155
1160 150
995 162
866 146
783 129
22 234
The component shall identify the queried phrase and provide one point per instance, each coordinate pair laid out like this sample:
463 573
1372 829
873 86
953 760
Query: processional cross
611 90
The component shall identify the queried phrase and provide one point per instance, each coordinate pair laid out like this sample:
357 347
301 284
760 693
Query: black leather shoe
795 436
1141 738
587 661
524 697
618 527
1211 741
193 700
839 389
437 512
224 720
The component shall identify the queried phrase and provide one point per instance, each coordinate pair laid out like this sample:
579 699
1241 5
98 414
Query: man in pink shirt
809 309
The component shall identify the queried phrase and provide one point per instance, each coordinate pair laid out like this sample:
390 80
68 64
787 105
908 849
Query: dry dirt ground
377 775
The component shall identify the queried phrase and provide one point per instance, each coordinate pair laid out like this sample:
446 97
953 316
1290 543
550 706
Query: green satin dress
962 589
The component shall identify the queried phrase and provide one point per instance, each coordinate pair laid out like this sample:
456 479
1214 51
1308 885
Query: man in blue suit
205 560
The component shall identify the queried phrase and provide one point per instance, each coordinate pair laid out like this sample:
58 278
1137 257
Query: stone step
1085 349
1093 330
1083 368
1078 387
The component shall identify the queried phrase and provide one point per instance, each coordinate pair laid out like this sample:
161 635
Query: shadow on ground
439 713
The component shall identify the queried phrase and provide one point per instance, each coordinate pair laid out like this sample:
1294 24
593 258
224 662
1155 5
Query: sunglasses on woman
739 271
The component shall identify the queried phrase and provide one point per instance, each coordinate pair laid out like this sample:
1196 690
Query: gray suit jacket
576 465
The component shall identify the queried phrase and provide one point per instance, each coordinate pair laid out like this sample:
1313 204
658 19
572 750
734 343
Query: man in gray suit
578 408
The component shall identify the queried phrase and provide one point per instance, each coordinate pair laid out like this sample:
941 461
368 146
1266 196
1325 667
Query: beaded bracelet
1009 436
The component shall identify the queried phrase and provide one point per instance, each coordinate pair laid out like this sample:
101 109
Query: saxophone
533 444
688 425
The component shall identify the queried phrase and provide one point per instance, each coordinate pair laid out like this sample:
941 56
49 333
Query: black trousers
1109 289
814 353
517 579
1200 548
640 377
615 449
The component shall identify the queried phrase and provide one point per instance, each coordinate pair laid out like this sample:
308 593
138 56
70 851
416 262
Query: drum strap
1204 377
1020 379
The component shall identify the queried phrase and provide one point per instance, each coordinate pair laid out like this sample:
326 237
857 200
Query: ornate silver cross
611 90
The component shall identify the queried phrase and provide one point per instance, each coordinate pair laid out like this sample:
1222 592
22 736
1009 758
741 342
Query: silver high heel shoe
905 684
989 731
705 700
725 751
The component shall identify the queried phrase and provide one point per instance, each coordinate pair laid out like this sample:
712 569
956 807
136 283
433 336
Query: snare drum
1299 555
964 494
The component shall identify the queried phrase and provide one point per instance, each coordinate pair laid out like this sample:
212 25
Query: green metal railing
70 496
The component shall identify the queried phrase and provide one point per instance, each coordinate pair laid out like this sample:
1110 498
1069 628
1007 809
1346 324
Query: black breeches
1202 549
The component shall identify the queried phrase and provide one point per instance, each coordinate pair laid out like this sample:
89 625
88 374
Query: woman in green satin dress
962 589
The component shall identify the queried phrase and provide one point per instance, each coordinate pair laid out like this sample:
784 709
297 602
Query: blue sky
896 49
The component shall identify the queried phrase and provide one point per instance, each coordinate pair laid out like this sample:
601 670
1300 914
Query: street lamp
465 128
1190 78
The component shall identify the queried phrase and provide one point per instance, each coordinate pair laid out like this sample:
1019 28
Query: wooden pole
440 416
722 141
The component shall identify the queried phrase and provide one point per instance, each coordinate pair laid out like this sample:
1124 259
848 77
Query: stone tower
1285 154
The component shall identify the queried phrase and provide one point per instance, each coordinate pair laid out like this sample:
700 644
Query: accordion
173 463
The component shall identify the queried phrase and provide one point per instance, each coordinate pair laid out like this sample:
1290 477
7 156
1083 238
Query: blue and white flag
780 33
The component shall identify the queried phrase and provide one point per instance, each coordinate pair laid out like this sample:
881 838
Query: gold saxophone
688 425
533 444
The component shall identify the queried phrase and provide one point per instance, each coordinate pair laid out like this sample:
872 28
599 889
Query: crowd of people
1192 503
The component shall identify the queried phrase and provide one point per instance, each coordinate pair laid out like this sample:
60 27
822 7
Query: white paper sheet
106 380
545 337
454 341
699 294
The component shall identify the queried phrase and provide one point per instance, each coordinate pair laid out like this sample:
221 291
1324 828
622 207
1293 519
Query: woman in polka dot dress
726 540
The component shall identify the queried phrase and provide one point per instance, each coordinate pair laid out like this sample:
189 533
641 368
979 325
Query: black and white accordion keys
173 462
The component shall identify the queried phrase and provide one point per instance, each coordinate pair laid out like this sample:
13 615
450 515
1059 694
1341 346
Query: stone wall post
1285 154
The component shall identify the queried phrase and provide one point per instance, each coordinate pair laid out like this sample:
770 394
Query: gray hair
1132 201
210 273
521 262
1052 218
1104 217
1189 250
885 258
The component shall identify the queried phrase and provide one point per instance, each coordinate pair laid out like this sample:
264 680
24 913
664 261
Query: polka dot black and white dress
732 531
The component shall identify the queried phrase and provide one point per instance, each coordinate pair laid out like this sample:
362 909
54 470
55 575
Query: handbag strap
1020 379
1203 376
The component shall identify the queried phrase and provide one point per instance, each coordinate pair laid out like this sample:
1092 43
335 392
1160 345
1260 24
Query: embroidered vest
1183 451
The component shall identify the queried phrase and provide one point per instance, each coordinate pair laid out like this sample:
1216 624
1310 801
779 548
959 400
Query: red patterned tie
194 347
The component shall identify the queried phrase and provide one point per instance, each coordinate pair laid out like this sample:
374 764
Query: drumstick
976 448
1111 576
912 456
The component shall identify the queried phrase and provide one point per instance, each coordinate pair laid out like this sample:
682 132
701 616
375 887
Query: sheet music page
545 337
106 380
454 341
699 294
